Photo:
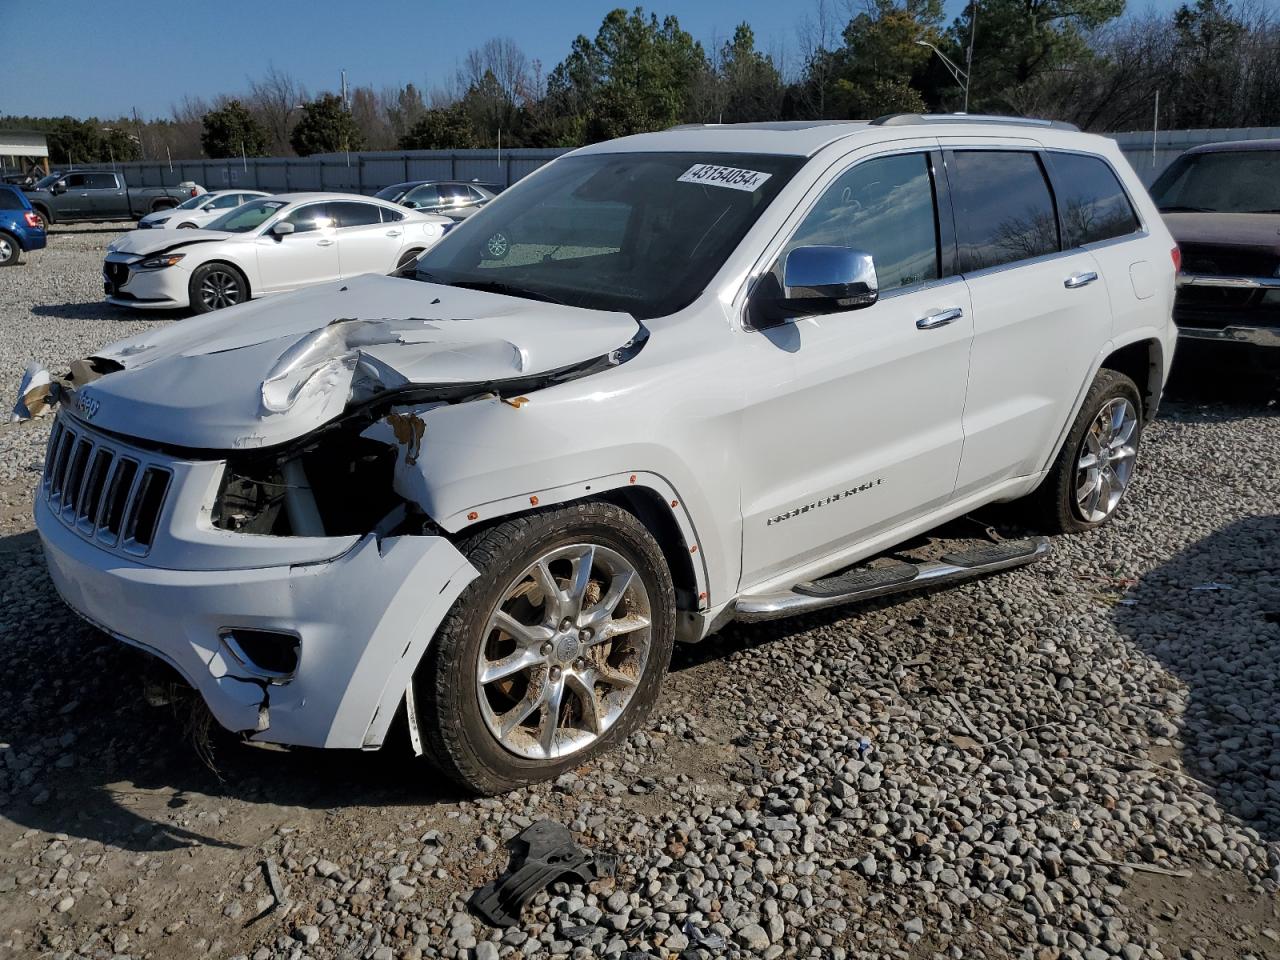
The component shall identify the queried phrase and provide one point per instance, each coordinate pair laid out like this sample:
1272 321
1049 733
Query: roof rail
904 119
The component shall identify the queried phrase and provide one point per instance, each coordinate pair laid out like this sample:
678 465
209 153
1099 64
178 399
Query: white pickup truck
664 382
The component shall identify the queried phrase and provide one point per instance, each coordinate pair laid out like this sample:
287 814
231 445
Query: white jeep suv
662 383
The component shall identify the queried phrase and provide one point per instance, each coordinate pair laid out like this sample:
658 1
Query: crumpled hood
142 242
273 370
1244 231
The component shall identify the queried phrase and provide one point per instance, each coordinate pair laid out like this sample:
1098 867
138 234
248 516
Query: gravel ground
1079 759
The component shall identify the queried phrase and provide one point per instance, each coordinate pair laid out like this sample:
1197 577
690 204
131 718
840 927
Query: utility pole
346 104
968 63
1155 124
142 147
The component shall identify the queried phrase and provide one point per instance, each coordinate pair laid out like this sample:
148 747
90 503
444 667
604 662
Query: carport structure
24 149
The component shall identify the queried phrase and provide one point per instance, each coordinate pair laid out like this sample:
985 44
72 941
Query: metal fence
1150 155
370 171
365 172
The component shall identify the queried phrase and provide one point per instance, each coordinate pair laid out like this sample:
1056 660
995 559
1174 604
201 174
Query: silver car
452 198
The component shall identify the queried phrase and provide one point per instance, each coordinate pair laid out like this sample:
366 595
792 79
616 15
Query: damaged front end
289 572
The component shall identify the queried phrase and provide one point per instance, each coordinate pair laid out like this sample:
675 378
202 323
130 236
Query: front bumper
1250 336
364 620
162 289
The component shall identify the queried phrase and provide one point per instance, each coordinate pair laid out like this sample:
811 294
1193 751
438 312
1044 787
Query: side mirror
59 187
411 204
282 229
828 279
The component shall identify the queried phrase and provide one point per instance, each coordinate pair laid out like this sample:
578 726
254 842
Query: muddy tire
554 654
1095 466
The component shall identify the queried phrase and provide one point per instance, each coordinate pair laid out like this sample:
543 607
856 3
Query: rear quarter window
9 200
1093 204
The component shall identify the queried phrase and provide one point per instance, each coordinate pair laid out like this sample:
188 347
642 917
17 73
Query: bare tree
274 101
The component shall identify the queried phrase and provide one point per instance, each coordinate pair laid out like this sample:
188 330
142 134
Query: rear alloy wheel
215 286
554 653
1094 468
8 250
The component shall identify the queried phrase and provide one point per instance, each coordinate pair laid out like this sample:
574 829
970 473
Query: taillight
33 219
1177 259
193 192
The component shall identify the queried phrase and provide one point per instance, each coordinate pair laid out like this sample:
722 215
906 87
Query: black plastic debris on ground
540 854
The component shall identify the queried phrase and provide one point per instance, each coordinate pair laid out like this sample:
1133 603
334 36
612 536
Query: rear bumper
363 619
30 240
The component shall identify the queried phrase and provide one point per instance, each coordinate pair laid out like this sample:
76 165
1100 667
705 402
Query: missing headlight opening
348 478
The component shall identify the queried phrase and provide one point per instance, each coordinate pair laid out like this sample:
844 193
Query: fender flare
555 496
1130 337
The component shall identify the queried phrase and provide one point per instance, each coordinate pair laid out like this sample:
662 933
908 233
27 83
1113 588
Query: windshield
394 192
641 233
192 202
1235 181
247 216
47 181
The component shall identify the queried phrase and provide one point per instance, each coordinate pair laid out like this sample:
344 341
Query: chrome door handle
324 243
940 319
1079 280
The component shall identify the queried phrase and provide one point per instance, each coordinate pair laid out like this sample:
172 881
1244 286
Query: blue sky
105 57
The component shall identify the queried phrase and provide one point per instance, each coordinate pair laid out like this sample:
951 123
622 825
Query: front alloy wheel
554 653
564 651
216 286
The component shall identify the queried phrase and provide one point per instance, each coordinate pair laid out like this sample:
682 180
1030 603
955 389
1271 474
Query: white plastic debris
37 394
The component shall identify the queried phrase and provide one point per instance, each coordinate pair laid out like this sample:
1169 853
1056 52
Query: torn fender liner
540 855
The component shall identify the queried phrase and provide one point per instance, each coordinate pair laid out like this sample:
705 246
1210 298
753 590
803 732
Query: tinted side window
227 202
316 216
354 214
885 208
1094 206
425 196
390 216
76 181
1004 211
9 200
100 181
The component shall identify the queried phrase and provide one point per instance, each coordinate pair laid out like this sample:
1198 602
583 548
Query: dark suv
1221 202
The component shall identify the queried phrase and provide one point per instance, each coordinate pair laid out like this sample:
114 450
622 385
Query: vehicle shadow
70 229
1211 616
97 310
82 753
1231 380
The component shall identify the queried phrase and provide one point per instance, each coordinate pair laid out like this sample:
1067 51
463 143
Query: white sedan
199 211
266 246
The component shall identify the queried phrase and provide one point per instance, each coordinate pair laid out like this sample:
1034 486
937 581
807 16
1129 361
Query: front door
75 202
308 255
852 423
1040 314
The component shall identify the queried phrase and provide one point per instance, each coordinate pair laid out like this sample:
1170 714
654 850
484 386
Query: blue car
20 226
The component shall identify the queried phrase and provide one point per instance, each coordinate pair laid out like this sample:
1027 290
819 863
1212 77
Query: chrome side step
869 582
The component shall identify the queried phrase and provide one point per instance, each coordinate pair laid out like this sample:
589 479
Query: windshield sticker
498 246
273 204
731 177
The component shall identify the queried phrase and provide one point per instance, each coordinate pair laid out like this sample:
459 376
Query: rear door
1040 312
1098 216
308 255
365 243
852 423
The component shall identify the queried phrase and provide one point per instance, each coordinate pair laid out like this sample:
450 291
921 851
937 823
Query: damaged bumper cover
363 620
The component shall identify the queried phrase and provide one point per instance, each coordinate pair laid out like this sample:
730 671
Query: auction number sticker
732 177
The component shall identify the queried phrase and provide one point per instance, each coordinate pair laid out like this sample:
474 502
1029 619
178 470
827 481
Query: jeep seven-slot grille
102 493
